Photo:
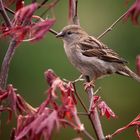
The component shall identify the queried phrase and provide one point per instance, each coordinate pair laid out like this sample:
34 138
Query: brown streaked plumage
90 56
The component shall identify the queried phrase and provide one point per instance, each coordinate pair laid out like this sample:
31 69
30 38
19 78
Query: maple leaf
23 15
16 102
105 110
38 125
39 29
55 82
102 107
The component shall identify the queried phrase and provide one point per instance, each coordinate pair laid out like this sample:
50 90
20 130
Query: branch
4 15
9 10
112 26
51 5
41 3
73 16
6 62
50 30
94 117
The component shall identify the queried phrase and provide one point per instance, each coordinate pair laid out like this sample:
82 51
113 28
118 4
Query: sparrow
90 56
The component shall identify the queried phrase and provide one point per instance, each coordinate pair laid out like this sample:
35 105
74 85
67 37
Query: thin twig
82 113
112 26
49 7
79 98
4 15
43 3
9 10
53 31
73 126
88 135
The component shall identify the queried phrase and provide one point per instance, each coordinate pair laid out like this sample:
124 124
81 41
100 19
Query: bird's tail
127 72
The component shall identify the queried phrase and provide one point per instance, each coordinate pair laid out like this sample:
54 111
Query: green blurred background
31 60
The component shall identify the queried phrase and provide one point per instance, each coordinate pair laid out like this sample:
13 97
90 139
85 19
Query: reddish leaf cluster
23 27
134 12
16 102
23 15
103 107
50 115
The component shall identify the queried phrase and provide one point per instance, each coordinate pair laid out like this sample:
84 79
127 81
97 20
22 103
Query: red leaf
40 124
24 15
49 123
105 110
16 102
50 76
103 107
138 64
39 30
134 12
19 4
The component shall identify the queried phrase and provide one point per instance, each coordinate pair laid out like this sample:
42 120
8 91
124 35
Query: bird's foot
78 79
89 85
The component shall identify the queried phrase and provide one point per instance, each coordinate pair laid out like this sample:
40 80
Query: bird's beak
60 35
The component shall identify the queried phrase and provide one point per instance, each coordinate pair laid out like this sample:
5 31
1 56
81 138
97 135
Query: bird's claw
89 85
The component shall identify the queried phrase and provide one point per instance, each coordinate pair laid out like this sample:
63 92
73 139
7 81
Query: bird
90 56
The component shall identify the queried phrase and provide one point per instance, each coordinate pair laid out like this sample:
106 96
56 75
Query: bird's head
71 33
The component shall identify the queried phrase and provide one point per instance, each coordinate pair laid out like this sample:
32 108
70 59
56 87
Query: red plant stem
73 16
6 62
10 52
95 116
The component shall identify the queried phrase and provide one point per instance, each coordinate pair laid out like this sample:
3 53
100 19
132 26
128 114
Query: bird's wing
91 47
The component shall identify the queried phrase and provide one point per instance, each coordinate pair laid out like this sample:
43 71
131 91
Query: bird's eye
69 32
